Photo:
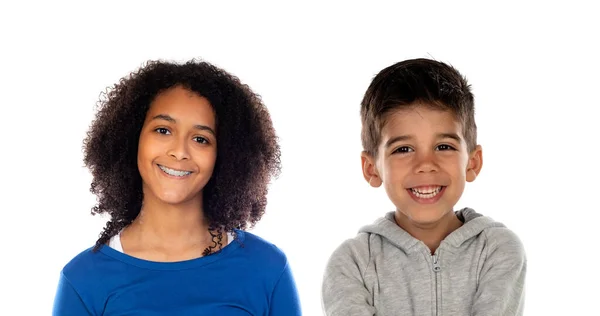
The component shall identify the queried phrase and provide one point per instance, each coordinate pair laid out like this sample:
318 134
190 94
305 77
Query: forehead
182 105
418 120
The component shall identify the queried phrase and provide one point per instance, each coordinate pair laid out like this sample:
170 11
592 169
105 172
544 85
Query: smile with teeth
173 172
427 192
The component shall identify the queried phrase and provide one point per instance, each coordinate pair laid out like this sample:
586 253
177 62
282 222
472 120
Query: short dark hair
248 153
416 81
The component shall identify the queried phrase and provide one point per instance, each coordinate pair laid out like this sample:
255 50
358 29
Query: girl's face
177 147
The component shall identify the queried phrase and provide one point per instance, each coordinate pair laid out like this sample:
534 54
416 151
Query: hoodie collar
474 224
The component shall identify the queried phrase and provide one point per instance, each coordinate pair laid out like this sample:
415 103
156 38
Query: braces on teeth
172 172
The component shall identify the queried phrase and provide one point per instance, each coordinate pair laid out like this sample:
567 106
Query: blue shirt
247 277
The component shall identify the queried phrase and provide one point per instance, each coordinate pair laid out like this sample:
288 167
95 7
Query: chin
174 198
426 216
173 201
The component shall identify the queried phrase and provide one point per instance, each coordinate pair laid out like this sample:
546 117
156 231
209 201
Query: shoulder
503 242
82 263
358 244
352 251
368 238
87 268
261 252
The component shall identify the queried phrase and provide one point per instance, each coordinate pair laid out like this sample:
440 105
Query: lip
176 169
432 200
425 185
171 176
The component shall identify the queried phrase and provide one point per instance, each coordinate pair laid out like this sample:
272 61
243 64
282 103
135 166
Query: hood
474 224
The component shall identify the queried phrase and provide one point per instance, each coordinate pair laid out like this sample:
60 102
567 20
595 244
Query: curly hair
248 153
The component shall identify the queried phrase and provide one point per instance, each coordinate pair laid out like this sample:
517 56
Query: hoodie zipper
436 270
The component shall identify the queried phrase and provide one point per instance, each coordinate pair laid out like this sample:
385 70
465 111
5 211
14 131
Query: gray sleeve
501 286
343 291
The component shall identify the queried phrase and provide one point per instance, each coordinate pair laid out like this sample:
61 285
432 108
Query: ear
369 169
475 163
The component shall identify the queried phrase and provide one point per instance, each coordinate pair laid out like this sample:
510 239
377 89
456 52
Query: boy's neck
430 234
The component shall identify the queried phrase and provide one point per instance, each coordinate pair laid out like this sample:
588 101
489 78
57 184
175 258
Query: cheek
143 156
212 159
143 159
395 173
205 158
458 168
149 148
142 145
394 165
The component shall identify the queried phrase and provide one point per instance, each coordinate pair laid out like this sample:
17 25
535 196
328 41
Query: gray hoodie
479 269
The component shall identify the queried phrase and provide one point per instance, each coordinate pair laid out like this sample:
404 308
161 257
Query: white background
534 69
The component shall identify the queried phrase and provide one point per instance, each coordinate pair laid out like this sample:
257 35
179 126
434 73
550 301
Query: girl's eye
201 140
162 130
403 150
444 147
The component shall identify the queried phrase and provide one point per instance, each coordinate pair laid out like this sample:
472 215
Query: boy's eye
201 140
162 130
403 149
445 147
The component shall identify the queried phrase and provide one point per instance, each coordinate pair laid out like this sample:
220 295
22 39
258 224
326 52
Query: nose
178 149
426 163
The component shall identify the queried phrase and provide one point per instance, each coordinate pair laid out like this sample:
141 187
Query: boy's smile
423 163
426 194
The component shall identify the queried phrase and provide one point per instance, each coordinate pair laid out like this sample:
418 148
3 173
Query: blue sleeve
285 300
67 301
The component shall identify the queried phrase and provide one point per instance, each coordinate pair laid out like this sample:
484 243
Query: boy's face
177 147
423 163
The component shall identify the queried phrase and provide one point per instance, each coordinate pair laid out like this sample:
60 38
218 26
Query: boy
419 138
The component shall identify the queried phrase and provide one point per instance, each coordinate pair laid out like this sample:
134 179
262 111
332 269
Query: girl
181 157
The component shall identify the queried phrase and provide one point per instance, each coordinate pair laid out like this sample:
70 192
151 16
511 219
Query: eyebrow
409 137
174 121
397 139
450 135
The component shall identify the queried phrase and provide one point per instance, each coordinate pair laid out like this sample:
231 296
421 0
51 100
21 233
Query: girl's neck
166 226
